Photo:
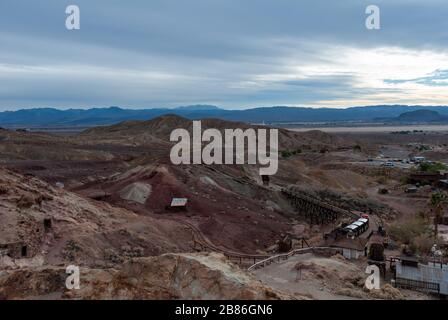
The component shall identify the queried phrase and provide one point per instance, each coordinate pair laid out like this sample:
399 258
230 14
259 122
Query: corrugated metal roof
355 244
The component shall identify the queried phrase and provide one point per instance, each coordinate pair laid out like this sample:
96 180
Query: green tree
432 167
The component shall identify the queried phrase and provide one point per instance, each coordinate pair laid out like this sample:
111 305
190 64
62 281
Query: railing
200 240
286 256
203 243
417 285
229 254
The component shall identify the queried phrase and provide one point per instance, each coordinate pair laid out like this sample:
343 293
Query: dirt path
284 277
404 205
205 244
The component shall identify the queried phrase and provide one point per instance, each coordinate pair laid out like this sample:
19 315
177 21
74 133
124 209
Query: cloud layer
231 53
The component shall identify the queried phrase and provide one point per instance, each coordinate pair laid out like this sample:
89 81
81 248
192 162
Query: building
16 250
356 228
427 178
443 184
376 252
418 159
430 277
376 248
443 219
411 189
265 180
351 248
178 204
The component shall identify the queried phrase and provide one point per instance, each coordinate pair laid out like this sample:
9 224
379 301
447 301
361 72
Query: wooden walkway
286 256
317 211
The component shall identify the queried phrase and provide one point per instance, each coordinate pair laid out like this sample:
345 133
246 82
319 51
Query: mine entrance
47 224
24 251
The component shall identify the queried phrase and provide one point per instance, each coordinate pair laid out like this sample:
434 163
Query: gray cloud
166 52
437 78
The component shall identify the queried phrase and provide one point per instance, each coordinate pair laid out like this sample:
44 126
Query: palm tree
438 202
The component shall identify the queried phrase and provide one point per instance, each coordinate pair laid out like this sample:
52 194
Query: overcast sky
231 53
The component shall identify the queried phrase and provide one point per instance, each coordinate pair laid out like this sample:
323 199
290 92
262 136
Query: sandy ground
283 276
332 278
438 128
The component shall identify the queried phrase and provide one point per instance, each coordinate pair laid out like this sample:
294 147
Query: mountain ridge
422 116
48 117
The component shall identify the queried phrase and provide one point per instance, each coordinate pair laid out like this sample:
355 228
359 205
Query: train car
357 228
351 230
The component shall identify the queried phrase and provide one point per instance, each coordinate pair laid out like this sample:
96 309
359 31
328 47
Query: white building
430 277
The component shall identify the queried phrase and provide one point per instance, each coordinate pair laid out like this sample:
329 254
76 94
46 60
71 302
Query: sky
230 53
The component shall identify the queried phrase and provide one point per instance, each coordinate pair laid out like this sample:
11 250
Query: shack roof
376 238
358 223
179 202
355 244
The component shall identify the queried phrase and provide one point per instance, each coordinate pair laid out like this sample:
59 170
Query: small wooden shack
178 204
351 248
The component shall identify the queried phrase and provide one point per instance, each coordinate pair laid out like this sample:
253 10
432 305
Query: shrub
407 231
423 244
25 202
432 167
3 190
285 153
289 153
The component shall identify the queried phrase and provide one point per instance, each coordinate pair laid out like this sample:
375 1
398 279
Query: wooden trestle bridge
316 211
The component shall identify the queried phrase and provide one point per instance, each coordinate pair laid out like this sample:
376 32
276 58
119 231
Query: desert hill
41 224
127 165
422 116
102 199
169 276
159 130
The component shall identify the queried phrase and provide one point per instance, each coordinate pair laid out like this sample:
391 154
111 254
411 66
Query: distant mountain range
49 117
421 116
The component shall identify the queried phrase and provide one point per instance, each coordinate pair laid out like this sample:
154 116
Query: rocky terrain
100 200
41 224
169 276
228 203
327 278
